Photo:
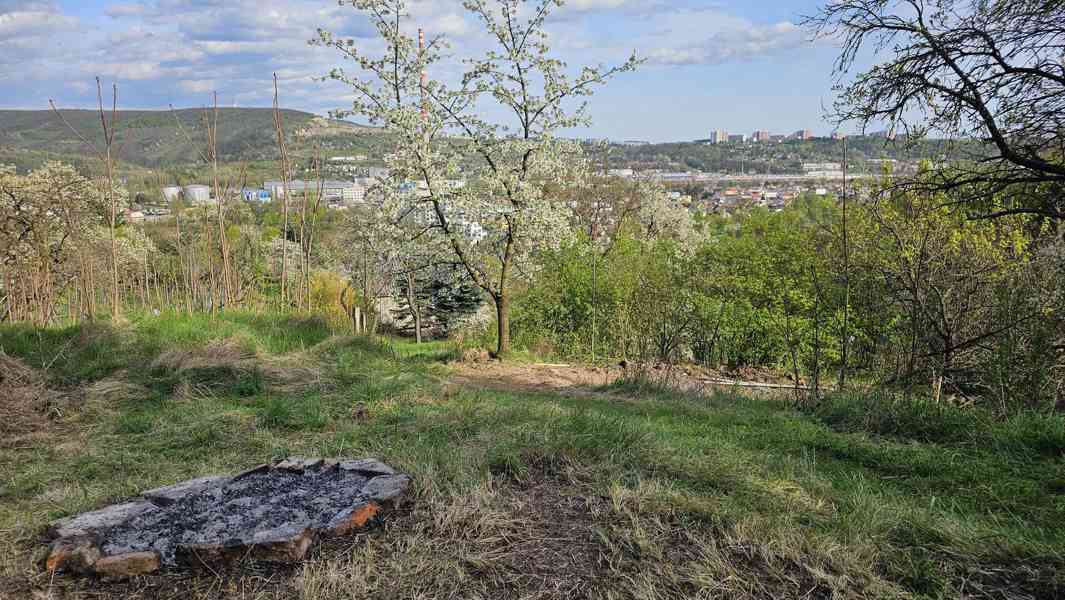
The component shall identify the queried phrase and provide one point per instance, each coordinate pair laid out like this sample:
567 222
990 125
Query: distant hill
164 137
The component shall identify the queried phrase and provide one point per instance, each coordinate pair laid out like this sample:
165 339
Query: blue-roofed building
255 195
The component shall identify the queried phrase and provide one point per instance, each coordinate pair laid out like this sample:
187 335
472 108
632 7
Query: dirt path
537 377
577 380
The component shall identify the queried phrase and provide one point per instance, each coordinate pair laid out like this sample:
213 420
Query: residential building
760 136
718 136
737 138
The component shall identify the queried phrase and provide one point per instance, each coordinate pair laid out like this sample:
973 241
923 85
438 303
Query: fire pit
272 512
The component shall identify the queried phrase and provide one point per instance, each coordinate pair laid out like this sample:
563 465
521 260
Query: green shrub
276 413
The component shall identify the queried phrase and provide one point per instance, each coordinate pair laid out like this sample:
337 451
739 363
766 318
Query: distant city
349 179
761 136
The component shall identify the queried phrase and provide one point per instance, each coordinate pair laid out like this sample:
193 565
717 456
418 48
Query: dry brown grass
292 373
114 390
107 396
551 537
229 362
27 404
226 354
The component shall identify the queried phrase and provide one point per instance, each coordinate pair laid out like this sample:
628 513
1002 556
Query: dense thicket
968 307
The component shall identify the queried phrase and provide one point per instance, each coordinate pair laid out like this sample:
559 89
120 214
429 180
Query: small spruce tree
444 298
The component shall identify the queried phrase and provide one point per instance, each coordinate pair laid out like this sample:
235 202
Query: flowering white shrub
508 206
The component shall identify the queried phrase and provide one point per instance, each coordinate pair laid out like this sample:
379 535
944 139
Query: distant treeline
787 157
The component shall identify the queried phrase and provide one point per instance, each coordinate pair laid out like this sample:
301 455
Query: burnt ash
231 514
270 511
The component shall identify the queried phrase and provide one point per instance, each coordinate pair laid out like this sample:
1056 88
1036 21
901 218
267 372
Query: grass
634 492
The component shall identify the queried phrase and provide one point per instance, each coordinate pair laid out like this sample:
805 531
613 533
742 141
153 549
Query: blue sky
739 65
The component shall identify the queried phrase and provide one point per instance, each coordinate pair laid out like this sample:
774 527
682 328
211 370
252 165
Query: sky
738 65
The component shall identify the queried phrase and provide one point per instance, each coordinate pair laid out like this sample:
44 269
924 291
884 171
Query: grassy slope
630 493
150 138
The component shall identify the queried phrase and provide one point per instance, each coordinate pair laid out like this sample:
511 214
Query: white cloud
596 5
130 71
732 41
33 35
8 6
198 86
178 51
126 10
20 24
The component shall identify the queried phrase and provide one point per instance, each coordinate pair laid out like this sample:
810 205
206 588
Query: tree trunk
417 326
502 325
112 225
415 310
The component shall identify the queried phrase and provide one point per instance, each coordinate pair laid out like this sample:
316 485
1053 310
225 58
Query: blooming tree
371 264
53 240
487 187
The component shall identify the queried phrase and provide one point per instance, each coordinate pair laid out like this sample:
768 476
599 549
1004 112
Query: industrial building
171 193
333 192
196 194
826 170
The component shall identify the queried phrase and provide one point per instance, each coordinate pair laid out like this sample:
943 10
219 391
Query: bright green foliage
953 300
968 307
758 281
743 296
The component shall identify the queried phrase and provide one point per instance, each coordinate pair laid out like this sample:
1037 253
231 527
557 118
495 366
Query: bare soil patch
580 380
540 377
549 536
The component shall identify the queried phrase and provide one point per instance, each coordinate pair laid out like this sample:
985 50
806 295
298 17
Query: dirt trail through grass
533 377
581 380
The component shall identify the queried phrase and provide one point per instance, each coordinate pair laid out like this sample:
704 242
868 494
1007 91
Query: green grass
681 496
